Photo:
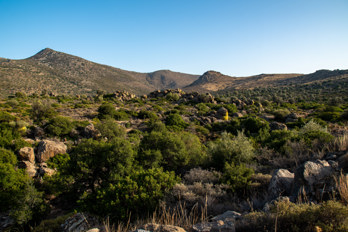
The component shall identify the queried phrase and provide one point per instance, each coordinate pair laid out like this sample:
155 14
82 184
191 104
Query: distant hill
62 73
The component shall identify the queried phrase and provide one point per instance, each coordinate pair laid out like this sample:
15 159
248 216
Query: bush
41 110
59 126
237 176
329 216
232 150
109 129
138 193
106 110
175 121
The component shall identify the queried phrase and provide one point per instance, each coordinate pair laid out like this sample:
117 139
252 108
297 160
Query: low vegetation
171 158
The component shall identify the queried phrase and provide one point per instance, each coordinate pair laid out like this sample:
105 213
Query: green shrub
109 129
106 110
228 149
237 176
330 216
175 121
59 126
41 110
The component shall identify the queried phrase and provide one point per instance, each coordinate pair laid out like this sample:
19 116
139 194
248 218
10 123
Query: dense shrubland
125 158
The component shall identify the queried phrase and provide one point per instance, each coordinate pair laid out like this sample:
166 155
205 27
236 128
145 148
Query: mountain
212 81
62 73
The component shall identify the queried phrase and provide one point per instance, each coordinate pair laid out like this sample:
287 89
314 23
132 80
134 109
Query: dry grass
176 216
342 187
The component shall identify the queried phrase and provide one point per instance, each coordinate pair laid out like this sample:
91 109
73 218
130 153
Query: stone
90 132
277 126
237 115
46 171
313 178
162 228
215 226
221 223
281 183
93 230
221 113
48 149
6 222
81 222
27 153
29 167
227 216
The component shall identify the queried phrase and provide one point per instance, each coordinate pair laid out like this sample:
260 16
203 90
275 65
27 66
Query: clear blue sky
235 37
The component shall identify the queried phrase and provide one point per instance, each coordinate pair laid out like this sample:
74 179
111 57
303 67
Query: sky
234 37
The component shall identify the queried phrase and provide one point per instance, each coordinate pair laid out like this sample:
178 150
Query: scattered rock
227 216
215 226
293 117
313 178
48 149
90 132
29 168
5 222
45 170
277 126
80 222
161 228
27 154
222 223
237 115
281 183
221 113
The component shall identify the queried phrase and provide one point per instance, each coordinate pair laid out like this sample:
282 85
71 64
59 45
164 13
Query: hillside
62 73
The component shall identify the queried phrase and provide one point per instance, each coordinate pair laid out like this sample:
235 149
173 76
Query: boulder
80 222
6 222
313 178
237 115
90 132
221 113
45 170
215 226
293 117
27 154
228 215
277 126
47 149
160 228
281 183
221 223
29 167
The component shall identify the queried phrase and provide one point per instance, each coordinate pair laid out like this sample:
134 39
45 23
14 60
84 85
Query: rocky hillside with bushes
244 160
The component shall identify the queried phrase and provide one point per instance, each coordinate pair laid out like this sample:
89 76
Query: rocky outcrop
314 179
45 170
221 113
277 126
27 154
80 222
221 223
90 132
123 95
152 227
281 183
29 167
48 149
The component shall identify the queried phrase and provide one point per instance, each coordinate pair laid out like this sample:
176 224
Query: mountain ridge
62 73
